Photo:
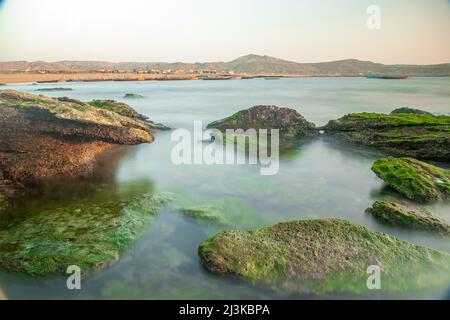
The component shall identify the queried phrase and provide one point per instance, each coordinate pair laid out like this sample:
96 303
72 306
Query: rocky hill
251 63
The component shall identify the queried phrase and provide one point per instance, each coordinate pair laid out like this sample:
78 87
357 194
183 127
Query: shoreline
14 78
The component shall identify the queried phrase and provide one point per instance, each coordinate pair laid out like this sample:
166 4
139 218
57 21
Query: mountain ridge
251 63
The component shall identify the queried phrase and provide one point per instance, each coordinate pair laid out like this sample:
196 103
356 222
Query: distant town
246 67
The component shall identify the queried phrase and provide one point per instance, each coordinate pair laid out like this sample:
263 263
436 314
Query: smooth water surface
322 178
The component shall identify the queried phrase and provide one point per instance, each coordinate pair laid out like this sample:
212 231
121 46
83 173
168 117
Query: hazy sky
412 31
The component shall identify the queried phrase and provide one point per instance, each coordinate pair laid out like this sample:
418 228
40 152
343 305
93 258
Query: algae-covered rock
398 215
127 111
88 235
423 136
410 110
205 214
3 201
288 121
224 211
43 137
414 179
324 256
119 108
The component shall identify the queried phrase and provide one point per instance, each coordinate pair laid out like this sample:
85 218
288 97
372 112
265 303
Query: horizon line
217 61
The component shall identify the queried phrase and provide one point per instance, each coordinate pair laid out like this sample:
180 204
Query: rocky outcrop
414 179
324 256
410 111
126 111
42 137
398 215
288 121
423 136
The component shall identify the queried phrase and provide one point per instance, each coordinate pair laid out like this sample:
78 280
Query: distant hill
254 64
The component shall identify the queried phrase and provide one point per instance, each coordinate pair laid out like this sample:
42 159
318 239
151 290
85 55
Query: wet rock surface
412 218
323 256
88 235
413 178
288 121
410 133
44 137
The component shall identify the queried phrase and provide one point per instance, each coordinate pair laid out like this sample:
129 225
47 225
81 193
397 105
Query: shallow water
322 178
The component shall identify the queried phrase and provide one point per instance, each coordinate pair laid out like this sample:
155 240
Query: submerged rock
324 256
414 179
423 136
410 110
288 121
223 211
132 96
44 137
397 215
90 236
55 89
158 126
205 214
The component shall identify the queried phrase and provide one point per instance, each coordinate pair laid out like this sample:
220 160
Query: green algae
397 215
222 211
374 120
115 106
204 214
4 202
88 235
414 179
410 110
419 135
323 256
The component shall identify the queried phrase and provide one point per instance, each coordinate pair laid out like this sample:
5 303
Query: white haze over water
200 30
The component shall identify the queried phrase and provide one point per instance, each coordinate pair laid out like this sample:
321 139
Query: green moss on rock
414 179
419 135
117 107
397 215
226 211
3 202
107 114
410 110
90 236
206 214
288 121
324 256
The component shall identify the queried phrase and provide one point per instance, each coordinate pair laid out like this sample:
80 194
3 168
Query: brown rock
43 137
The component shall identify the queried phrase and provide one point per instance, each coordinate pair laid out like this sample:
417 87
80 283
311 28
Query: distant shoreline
11 78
